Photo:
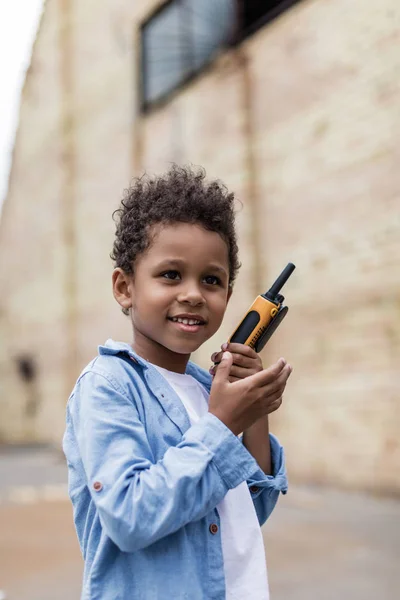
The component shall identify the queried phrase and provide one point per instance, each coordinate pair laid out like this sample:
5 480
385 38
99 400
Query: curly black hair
180 195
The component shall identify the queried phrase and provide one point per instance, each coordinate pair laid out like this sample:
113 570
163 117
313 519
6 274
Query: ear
122 284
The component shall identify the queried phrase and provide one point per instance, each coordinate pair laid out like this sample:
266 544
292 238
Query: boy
168 499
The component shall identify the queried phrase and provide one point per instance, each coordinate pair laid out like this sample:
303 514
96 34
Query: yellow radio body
264 315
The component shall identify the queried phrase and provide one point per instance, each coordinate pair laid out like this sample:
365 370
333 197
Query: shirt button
97 486
213 528
254 489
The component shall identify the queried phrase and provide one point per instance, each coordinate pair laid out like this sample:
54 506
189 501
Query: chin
184 348
187 350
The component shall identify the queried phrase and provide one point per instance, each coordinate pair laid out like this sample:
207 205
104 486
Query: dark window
183 36
180 39
254 10
253 14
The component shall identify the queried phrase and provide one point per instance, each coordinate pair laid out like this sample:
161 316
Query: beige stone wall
325 100
327 109
32 258
301 121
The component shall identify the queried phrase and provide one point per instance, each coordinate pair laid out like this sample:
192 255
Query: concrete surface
327 545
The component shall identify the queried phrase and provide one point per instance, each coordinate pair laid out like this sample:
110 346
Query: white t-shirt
242 543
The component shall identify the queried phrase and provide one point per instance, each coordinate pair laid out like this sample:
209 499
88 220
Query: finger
280 381
241 372
267 376
222 373
285 374
275 405
236 370
273 397
239 359
216 357
242 349
242 366
277 387
245 361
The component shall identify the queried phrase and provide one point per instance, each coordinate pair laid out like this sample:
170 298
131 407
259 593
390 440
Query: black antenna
280 282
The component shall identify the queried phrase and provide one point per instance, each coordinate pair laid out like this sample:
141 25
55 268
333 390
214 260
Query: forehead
189 241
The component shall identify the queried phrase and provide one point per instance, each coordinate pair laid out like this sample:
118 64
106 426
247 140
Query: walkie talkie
264 315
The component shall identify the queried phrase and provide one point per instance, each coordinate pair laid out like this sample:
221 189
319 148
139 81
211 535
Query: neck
158 355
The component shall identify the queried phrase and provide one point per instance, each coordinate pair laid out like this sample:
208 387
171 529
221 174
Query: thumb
224 368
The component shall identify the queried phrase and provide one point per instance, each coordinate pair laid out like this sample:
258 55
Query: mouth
188 323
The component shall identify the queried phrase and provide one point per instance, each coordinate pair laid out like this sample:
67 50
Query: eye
212 280
173 275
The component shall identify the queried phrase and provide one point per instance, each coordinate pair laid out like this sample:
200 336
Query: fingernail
226 355
213 356
282 362
211 370
224 346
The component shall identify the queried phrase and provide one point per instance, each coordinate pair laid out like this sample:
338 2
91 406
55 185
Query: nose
191 294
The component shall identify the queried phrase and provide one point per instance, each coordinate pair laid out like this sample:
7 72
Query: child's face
184 274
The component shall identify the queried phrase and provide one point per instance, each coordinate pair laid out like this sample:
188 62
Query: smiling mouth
186 321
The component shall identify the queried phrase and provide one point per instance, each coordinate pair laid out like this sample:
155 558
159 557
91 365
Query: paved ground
321 544
39 553
327 545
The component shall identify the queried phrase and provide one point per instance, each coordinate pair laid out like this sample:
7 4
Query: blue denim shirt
145 484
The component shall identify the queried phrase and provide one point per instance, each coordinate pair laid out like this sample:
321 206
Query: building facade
296 109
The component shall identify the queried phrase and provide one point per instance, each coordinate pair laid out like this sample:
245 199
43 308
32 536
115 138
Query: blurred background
295 106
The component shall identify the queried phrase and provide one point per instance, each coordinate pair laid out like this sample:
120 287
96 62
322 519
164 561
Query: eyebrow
181 263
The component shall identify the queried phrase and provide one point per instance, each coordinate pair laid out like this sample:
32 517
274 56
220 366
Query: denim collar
113 347
172 405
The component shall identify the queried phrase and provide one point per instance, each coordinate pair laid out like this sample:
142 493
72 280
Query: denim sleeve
264 488
140 501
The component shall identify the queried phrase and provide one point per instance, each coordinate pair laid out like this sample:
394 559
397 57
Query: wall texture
301 121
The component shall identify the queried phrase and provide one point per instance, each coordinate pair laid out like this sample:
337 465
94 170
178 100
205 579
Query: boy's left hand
246 361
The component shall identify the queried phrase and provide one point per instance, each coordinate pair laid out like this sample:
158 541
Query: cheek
217 307
154 298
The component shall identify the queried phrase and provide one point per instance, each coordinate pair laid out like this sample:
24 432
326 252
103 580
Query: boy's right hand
241 403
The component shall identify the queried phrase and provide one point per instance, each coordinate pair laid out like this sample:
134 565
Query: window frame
240 35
